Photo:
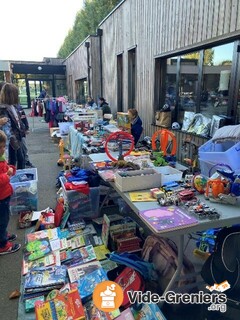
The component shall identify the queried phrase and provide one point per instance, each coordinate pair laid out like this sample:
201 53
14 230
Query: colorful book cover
77 272
37 249
93 240
165 219
126 315
141 196
42 262
94 313
51 234
108 220
88 282
101 252
148 312
108 265
45 277
30 303
77 241
64 306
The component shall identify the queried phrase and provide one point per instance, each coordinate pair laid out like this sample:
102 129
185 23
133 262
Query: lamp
39 68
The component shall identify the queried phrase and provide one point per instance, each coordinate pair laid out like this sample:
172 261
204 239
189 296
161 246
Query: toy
215 187
162 140
60 161
199 183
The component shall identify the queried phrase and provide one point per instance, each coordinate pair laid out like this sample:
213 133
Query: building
150 52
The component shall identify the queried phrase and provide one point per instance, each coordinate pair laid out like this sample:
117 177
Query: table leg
179 266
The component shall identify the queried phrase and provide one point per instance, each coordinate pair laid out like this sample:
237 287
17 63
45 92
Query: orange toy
165 138
119 137
215 187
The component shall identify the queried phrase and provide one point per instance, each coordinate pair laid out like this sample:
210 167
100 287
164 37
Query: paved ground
43 154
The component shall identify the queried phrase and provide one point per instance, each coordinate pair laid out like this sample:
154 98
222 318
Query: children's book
64 306
45 278
89 281
42 262
77 272
126 315
30 303
89 229
149 311
108 221
108 265
77 241
94 240
37 249
101 252
51 234
94 313
141 196
165 219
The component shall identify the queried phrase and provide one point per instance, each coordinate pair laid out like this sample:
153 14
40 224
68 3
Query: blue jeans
4 219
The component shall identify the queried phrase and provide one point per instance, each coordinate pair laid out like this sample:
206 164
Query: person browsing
6 190
136 125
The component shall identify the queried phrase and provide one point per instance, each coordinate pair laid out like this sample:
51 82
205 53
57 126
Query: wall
157 27
76 66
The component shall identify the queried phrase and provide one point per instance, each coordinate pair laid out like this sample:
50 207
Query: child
6 190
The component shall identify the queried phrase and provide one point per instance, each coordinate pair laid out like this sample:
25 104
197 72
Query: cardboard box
137 180
123 121
169 174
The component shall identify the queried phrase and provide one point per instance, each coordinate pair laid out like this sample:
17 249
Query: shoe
10 248
29 164
11 237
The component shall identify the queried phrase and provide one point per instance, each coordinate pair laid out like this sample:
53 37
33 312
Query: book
77 272
37 249
149 311
89 281
42 262
108 221
30 303
126 315
93 240
51 234
94 313
77 241
64 306
108 265
141 196
45 278
101 252
165 219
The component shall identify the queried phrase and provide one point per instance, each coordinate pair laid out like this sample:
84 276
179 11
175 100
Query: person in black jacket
104 106
136 125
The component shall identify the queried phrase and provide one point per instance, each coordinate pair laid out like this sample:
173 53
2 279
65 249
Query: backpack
224 262
129 280
163 254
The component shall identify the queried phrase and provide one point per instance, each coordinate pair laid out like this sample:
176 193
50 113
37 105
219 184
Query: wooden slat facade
154 28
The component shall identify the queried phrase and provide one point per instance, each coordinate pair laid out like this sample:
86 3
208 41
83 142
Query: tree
208 56
86 22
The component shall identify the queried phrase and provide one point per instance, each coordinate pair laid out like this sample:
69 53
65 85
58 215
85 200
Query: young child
6 190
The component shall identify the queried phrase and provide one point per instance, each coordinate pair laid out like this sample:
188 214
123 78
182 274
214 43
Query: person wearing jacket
14 128
104 106
136 125
6 190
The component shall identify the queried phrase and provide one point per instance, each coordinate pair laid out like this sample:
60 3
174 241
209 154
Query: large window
188 83
131 78
199 81
217 66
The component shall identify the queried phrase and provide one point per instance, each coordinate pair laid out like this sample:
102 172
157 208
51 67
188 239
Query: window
217 66
188 83
120 83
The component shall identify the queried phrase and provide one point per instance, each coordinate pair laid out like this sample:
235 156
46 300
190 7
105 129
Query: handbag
163 118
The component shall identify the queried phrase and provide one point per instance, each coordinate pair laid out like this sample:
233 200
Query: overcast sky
32 29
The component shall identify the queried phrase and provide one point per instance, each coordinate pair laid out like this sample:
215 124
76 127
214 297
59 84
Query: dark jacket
105 108
136 129
16 130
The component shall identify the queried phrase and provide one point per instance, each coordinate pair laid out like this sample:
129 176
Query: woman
14 128
136 125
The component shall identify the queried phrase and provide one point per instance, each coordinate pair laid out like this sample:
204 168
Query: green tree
86 22
208 56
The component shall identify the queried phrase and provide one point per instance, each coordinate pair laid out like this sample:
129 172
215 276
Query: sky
32 29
